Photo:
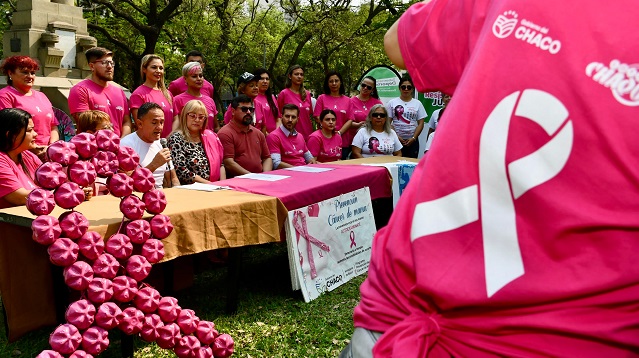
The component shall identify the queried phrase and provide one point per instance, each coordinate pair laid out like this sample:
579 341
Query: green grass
271 321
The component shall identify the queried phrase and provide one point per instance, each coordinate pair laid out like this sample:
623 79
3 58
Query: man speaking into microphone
154 155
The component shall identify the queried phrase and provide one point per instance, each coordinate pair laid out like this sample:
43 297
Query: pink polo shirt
87 95
181 100
12 177
145 94
304 124
37 104
291 147
325 149
179 86
270 120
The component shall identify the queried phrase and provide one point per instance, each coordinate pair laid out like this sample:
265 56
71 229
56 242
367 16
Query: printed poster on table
329 242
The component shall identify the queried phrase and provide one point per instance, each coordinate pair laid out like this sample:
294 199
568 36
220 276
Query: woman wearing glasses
153 90
376 137
334 98
195 150
267 100
362 103
407 116
21 75
194 77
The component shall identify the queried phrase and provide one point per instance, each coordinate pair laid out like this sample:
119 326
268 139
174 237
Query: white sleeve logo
505 24
502 255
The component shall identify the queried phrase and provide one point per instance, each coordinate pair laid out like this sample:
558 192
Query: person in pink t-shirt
21 75
192 72
287 146
179 85
154 90
247 84
296 94
17 163
334 98
267 100
325 144
517 234
99 92
362 104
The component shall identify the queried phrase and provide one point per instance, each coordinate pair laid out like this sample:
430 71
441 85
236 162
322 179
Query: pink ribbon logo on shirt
299 223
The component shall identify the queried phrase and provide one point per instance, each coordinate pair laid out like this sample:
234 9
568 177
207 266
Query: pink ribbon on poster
353 243
299 223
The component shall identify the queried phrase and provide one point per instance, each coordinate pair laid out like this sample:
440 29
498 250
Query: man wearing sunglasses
99 92
245 149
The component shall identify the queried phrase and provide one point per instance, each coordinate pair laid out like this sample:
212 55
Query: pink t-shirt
340 105
145 94
88 95
291 148
325 149
304 124
12 177
37 104
360 112
179 86
270 121
181 100
258 115
525 242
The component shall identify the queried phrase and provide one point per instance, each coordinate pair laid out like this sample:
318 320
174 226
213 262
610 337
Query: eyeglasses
195 116
106 63
378 115
247 109
406 87
365 86
264 79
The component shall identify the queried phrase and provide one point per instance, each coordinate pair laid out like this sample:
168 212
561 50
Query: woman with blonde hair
93 121
153 90
196 151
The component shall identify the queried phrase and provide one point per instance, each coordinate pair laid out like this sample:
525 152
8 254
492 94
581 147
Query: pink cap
81 314
95 340
78 276
187 320
80 354
120 185
168 309
138 231
128 158
91 245
120 246
63 252
132 207
106 163
131 322
223 346
62 152
203 352
100 290
153 250
147 299
85 145
108 315
40 202
155 201
106 266
68 195
73 224
49 354
206 332
65 339
124 288
143 180
161 226
150 326
82 173
107 140
50 175
138 267
46 229
168 335
185 347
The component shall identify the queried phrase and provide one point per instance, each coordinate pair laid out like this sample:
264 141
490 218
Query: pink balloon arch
108 273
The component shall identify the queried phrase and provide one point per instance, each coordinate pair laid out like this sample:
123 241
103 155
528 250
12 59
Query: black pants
411 151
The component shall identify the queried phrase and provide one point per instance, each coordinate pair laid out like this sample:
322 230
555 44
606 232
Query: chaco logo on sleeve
528 31
621 78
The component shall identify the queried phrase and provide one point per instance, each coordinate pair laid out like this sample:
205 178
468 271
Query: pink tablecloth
303 189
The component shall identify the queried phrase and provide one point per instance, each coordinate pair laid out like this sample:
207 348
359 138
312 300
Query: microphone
164 146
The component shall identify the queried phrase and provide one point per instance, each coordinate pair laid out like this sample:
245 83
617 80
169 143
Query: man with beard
98 92
245 149
288 149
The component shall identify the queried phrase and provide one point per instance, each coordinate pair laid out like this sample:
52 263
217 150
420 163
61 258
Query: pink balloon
206 332
81 314
91 245
120 185
147 299
107 140
80 354
161 226
108 315
49 354
143 180
63 252
95 340
78 276
100 290
128 158
168 309
46 229
50 175
138 267
203 352
82 173
85 145
120 246
65 339
153 250
124 288
185 347
138 231
168 335
188 321
105 163
73 224
40 202
106 266
155 201
223 346
62 152
68 195
152 323
132 207
131 320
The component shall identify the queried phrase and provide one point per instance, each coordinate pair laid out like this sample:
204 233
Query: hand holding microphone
163 156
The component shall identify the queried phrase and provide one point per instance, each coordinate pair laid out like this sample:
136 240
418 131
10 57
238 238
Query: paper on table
307 169
389 164
264 177
203 187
